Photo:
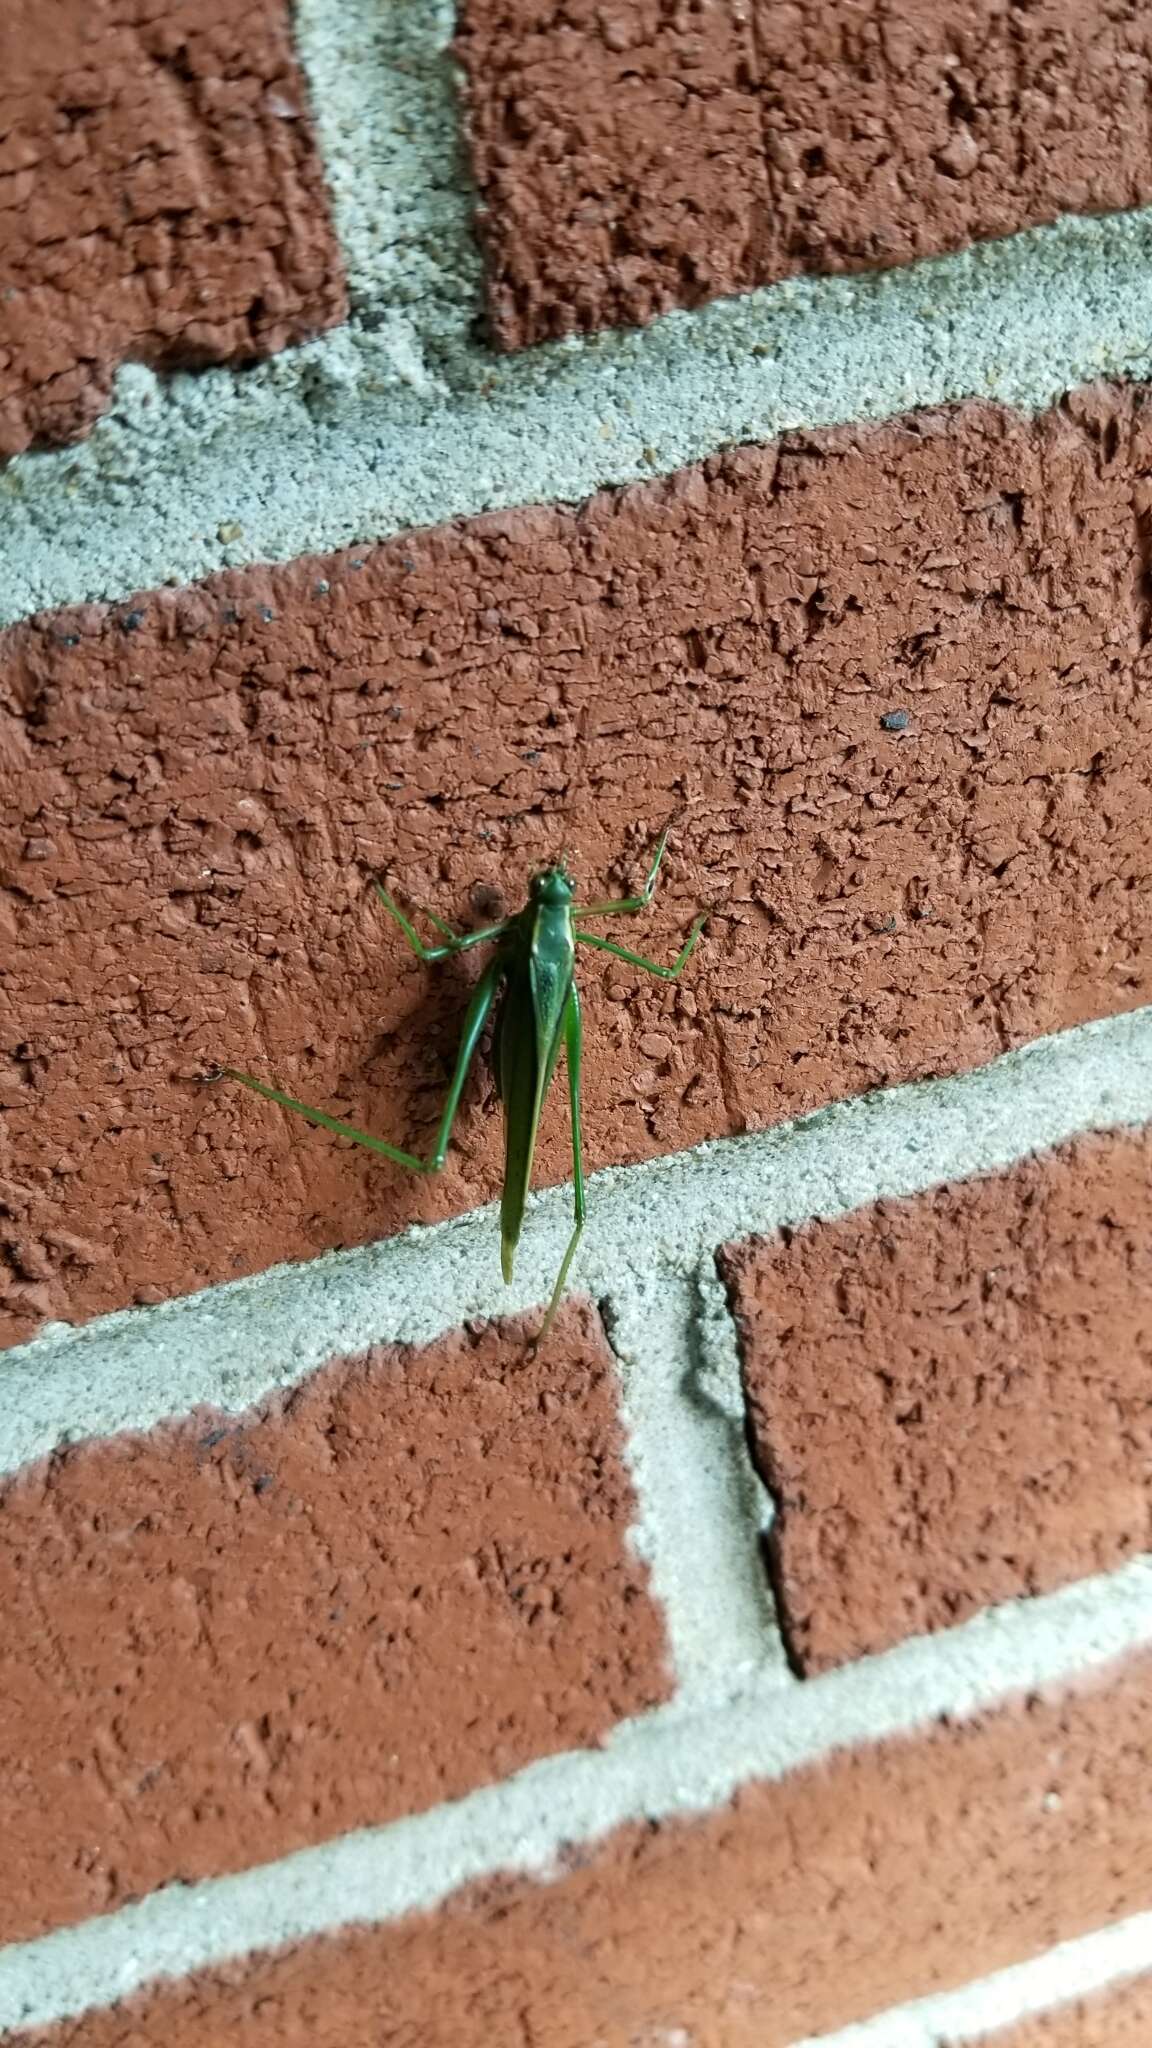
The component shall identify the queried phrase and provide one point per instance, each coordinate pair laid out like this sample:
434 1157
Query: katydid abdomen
539 978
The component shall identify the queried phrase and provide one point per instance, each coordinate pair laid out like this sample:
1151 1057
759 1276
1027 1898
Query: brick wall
763 1658
635 157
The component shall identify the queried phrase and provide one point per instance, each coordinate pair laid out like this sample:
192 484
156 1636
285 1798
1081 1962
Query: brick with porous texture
201 784
948 1396
1120 2017
637 156
896 134
619 159
237 1635
161 199
881 1874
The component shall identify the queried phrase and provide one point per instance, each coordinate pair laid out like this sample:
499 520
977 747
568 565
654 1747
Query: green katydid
532 975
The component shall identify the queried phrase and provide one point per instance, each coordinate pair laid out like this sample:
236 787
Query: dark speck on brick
131 622
267 614
321 587
68 639
229 615
896 721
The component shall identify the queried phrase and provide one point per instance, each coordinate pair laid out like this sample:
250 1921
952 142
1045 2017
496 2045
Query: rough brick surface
235 1636
949 1396
881 1875
1120 2018
160 199
642 155
892 684
619 159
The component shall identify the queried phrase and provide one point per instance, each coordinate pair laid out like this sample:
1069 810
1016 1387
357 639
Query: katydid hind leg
326 1122
573 1049
474 1021
475 1018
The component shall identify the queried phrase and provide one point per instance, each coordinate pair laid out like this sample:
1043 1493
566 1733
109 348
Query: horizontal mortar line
228 1346
665 1764
1075 1969
337 442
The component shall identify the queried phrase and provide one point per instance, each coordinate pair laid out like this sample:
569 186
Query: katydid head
553 885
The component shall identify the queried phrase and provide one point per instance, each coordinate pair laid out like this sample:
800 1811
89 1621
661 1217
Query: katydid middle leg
476 1016
454 943
639 960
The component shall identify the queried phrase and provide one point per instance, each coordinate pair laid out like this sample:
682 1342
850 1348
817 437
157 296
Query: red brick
639 156
621 173
161 199
238 1635
882 1874
1116 2018
948 1396
201 784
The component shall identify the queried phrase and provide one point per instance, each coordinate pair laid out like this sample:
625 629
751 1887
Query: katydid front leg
624 906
